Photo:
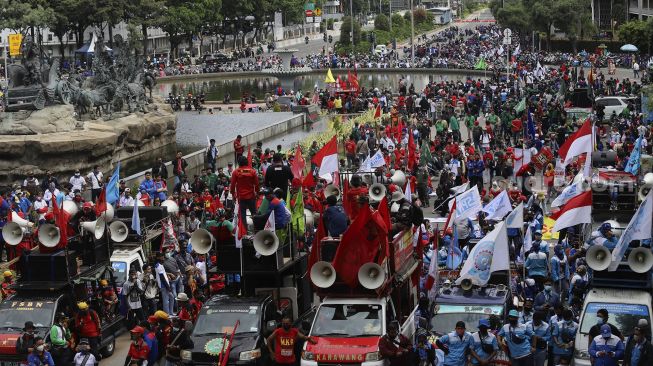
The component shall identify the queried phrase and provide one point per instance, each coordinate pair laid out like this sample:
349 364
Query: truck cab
125 258
257 318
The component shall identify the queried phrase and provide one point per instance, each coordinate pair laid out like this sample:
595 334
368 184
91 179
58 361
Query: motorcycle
306 39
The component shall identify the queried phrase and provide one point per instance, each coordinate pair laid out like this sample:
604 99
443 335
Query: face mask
599 321
513 322
547 288
636 338
169 255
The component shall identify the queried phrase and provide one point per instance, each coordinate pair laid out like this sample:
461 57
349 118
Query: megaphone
250 223
49 235
377 192
119 231
140 203
640 259
21 221
12 233
398 178
201 241
645 187
266 242
310 220
323 274
598 257
70 207
96 227
173 207
108 214
371 276
331 190
466 284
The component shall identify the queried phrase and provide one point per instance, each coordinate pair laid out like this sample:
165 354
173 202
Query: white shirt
95 179
47 196
126 201
77 182
39 205
79 358
159 270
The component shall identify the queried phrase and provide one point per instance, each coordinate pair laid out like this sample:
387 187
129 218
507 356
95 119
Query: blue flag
531 126
632 166
455 257
113 194
136 219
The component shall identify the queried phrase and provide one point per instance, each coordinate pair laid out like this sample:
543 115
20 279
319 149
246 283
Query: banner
639 228
14 44
468 204
499 207
489 255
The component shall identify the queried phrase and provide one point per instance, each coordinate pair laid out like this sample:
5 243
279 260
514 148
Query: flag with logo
425 156
499 207
113 193
468 204
297 213
136 220
489 255
568 193
632 166
639 228
521 106
481 64
516 218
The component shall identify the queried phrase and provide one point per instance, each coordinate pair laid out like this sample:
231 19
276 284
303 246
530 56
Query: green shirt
453 123
226 223
59 335
491 119
440 125
212 179
470 121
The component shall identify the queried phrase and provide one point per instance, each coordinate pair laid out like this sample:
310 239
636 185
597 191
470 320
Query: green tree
25 15
146 14
180 20
543 17
381 22
574 17
636 32
397 20
110 13
345 32
514 16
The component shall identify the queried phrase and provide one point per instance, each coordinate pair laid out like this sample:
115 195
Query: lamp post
412 34
351 13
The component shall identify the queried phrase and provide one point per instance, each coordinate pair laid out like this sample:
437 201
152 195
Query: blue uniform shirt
543 331
478 345
563 332
518 339
457 348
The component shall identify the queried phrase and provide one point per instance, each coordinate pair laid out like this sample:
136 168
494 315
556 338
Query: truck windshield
348 320
221 320
14 314
622 316
119 272
445 323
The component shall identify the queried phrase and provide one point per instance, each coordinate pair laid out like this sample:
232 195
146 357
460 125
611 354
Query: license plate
12 364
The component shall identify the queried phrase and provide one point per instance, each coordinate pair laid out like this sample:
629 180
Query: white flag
459 189
269 225
639 228
528 242
408 193
568 193
489 255
499 207
500 51
468 204
377 160
516 218
366 166
238 237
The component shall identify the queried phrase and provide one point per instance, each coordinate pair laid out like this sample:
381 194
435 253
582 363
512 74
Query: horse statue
149 81
31 72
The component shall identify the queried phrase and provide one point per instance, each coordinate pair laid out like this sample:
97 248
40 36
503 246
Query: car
614 104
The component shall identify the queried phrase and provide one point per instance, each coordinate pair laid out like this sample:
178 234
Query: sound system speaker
47 267
228 258
149 215
328 248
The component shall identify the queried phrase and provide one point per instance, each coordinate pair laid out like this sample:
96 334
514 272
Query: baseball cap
484 323
513 313
606 332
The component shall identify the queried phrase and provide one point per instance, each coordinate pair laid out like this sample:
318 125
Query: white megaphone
466 284
49 235
377 192
119 231
96 227
21 221
308 216
140 203
266 242
250 223
108 214
12 233
172 206
331 190
371 276
645 187
598 257
201 241
70 207
398 178
640 260
323 274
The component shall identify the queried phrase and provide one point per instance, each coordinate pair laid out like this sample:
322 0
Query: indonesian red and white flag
240 227
577 210
578 143
327 158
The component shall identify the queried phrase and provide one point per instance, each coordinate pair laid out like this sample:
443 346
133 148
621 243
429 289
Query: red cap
138 330
152 319
49 216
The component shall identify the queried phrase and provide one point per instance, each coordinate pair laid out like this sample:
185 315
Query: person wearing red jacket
239 149
87 324
138 349
244 187
350 151
395 347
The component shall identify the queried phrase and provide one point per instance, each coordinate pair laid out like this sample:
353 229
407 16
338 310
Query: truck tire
109 349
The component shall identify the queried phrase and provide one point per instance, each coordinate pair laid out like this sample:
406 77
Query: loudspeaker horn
96 227
266 242
398 178
201 241
172 206
118 231
70 207
643 192
21 221
377 192
371 276
331 190
598 257
12 233
108 214
49 235
310 220
466 284
640 260
323 274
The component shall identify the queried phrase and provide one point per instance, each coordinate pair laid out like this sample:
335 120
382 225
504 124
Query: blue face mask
599 321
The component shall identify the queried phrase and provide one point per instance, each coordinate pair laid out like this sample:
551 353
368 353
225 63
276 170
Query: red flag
327 158
298 164
400 127
377 113
384 214
61 218
412 148
101 202
309 181
336 179
249 156
314 256
353 81
359 245
345 193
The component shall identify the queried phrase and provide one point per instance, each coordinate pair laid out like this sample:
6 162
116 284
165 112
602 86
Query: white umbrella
629 48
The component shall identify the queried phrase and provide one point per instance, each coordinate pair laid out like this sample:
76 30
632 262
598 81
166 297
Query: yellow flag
547 230
329 77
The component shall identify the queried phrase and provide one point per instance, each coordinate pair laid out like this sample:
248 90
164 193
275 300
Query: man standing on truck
283 340
87 324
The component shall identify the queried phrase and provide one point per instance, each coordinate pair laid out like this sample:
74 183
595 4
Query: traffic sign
318 12
309 13
507 32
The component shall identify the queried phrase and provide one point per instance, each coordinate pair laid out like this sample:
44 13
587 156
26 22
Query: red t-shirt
138 351
284 348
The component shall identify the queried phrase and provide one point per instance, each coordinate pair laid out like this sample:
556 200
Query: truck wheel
108 350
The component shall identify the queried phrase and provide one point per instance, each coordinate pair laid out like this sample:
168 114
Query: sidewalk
437 30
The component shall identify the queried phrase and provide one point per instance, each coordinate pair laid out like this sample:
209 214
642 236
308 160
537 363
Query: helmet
104 283
82 305
7 274
161 315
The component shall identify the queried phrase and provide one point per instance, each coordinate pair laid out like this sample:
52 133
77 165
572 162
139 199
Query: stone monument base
52 139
